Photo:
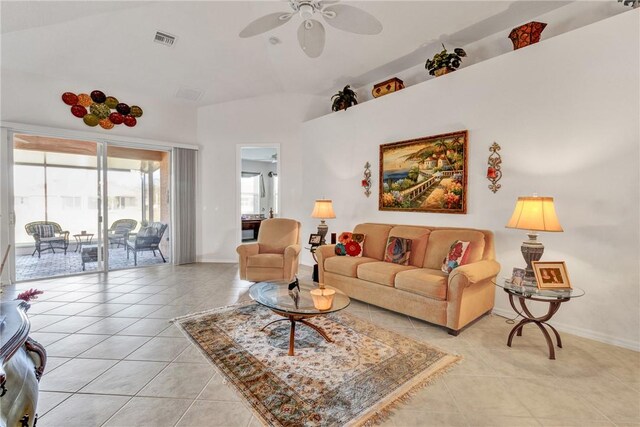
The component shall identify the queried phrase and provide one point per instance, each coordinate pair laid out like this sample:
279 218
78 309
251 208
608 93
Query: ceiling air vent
165 39
189 94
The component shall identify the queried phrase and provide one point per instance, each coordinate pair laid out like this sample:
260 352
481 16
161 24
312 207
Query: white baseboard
581 332
217 260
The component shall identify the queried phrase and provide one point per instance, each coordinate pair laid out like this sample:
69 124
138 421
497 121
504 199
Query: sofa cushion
345 265
376 239
440 241
423 281
380 272
266 260
419 238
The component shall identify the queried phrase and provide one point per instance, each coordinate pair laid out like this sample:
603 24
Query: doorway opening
259 188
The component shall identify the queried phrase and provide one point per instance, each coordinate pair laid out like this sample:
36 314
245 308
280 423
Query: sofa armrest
322 253
291 261
325 251
248 249
291 251
244 252
472 280
475 272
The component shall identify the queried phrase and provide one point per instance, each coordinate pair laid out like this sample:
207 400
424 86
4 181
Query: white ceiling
98 42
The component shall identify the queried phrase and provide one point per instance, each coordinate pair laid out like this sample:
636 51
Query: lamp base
322 231
532 250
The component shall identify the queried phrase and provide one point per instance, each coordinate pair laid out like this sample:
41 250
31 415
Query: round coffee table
294 305
553 297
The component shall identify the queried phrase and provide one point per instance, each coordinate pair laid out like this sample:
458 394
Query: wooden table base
292 334
540 322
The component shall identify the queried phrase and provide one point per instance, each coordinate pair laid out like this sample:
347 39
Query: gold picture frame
425 174
551 275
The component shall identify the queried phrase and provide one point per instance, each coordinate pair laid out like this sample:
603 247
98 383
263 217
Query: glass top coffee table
295 305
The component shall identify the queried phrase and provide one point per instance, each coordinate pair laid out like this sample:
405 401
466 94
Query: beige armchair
275 256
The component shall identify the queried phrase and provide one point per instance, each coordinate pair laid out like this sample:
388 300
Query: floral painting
425 174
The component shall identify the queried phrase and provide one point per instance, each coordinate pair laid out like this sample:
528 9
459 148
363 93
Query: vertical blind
184 172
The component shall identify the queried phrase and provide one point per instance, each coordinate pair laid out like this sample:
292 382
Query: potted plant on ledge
344 99
445 62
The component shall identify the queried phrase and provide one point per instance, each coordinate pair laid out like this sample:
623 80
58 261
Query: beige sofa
421 289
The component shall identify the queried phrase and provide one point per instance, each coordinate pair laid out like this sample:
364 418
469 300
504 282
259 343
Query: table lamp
534 214
323 209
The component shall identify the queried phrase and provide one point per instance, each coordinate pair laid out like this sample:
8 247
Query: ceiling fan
311 34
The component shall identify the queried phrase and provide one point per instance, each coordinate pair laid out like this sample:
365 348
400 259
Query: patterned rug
354 381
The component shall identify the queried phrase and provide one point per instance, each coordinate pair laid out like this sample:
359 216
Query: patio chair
119 231
147 239
48 236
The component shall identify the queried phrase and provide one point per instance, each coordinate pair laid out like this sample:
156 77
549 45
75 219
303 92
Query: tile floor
50 264
115 360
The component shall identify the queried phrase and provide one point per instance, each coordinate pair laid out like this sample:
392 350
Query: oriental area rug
356 380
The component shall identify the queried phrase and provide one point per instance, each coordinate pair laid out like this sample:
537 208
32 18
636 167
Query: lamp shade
323 209
535 214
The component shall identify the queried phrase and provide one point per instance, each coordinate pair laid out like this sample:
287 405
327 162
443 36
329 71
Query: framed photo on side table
518 276
551 275
315 239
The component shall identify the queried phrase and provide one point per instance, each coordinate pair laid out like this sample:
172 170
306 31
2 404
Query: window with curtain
250 194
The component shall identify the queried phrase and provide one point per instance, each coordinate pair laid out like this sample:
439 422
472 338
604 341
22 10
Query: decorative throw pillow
458 254
45 230
147 232
351 244
398 250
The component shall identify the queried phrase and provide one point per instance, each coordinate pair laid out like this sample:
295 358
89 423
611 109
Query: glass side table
82 239
525 293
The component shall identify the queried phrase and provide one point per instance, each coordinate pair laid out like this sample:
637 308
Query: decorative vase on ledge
526 34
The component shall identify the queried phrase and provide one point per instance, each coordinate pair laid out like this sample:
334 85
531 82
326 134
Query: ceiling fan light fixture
311 33
306 11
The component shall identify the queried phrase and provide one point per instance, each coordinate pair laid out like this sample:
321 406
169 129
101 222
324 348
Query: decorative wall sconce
366 182
493 171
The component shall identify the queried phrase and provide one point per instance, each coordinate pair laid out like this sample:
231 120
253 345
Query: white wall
36 100
273 119
566 114
572 16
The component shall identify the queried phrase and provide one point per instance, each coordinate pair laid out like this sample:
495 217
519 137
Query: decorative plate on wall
97 109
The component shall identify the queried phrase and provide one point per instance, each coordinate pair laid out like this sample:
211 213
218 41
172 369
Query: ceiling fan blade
328 2
352 19
266 23
311 37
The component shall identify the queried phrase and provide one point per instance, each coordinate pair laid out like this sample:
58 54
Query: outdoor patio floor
52 265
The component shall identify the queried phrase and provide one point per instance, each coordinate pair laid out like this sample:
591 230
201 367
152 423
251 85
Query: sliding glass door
138 206
86 206
57 205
